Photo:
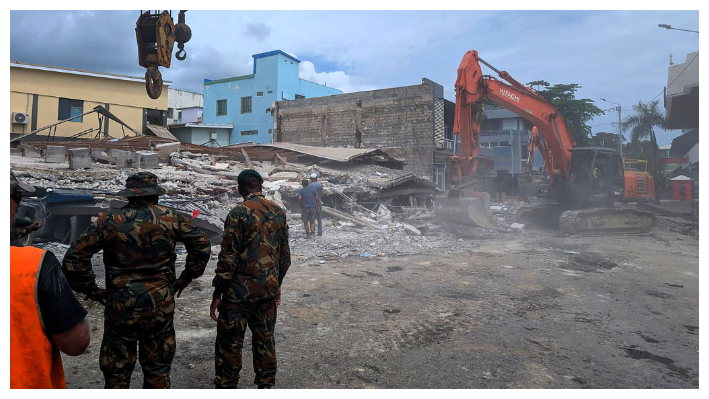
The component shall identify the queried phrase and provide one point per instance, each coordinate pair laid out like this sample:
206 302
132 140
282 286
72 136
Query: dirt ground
537 309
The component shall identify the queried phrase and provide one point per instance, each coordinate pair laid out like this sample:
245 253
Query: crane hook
181 54
183 34
153 82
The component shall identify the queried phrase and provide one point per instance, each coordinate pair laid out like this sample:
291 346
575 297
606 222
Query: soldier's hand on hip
179 285
216 303
99 296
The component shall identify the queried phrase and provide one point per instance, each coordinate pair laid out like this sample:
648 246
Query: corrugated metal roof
333 153
161 131
18 64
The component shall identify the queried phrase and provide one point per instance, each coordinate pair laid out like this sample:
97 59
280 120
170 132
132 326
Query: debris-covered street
392 298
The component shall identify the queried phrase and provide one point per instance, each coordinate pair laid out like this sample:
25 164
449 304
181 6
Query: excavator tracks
598 221
543 216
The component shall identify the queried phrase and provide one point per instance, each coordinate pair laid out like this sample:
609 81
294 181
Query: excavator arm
472 87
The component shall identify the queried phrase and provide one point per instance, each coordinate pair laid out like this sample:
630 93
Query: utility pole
620 127
620 133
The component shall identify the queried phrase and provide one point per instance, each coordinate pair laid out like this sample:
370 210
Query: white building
184 106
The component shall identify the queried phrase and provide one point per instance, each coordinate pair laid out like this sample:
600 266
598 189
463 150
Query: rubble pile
369 209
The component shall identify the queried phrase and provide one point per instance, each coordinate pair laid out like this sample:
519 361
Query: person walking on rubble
138 243
253 261
45 317
309 204
317 186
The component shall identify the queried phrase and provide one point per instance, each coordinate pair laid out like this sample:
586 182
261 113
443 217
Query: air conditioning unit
20 118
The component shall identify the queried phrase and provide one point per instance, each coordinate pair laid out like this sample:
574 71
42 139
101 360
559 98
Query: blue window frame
69 108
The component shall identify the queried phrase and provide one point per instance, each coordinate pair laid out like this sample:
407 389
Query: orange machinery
584 182
639 184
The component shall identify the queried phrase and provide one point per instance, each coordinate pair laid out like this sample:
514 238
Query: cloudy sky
622 56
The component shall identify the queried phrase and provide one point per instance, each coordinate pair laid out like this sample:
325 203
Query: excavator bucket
469 208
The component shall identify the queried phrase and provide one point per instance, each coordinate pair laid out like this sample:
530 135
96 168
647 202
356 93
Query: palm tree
642 124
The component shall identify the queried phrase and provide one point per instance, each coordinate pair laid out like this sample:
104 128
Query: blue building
243 100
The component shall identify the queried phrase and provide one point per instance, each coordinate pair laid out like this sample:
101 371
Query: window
221 107
270 131
170 112
246 105
259 94
298 96
448 132
249 132
179 115
270 92
69 108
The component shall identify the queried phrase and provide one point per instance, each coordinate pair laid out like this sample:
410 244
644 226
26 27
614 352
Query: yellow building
41 96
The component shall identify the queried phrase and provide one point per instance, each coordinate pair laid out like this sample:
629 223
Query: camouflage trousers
155 339
260 317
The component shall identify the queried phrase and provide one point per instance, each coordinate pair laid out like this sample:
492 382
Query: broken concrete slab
165 149
126 159
101 157
411 229
333 212
149 160
79 158
289 176
29 152
517 227
55 154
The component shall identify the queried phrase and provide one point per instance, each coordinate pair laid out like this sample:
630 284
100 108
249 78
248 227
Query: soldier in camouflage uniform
138 243
19 232
254 258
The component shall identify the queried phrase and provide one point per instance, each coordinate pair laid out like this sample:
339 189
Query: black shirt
59 308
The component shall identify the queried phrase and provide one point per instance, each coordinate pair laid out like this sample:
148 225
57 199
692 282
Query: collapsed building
409 123
415 124
77 180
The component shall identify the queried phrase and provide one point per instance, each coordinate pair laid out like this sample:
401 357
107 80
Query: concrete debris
517 227
411 229
55 154
368 209
287 176
79 158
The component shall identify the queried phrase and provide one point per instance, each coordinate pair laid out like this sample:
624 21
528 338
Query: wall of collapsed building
400 120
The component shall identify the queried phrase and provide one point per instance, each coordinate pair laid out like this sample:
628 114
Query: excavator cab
595 178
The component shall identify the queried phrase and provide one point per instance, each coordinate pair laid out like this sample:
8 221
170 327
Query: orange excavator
583 182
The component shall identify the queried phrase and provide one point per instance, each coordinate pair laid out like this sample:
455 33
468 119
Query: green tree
641 124
606 140
639 150
576 112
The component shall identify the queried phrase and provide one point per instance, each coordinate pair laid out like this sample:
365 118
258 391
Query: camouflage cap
16 184
249 172
141 184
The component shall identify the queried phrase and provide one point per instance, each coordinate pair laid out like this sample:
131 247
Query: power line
677 77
